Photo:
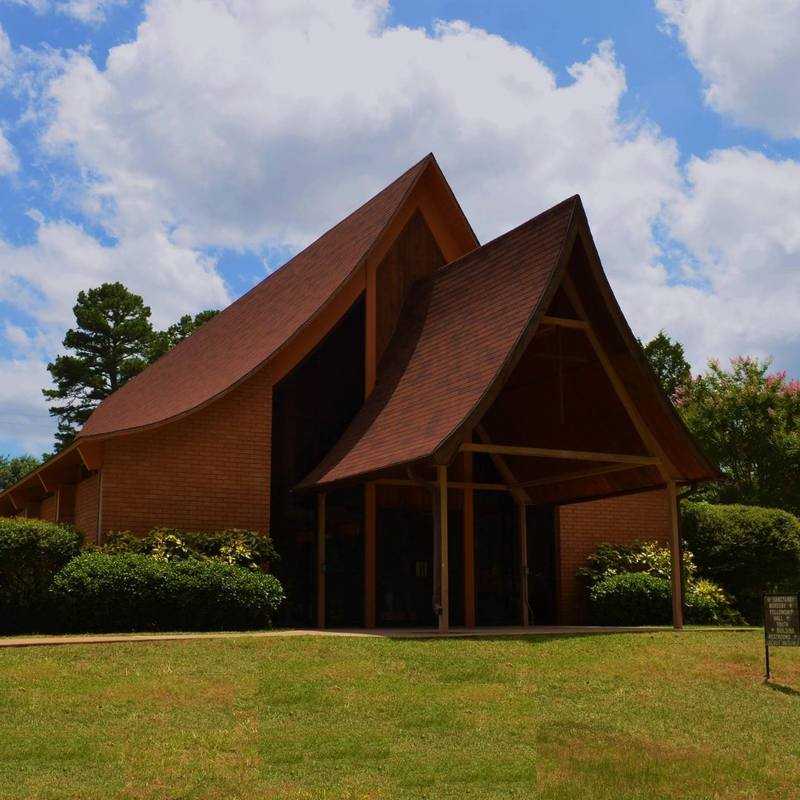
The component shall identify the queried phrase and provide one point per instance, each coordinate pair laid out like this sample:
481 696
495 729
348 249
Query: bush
635 601
748 550
132 591
234 546
639 556
631 598
31 553
707 604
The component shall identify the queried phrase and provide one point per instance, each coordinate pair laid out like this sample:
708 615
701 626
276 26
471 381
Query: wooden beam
675 555
321 588
371 332
570 455
16 499
502 467
468 539
476 487
522 546
665 466
565 322
444 617
91 454
574 476
370 545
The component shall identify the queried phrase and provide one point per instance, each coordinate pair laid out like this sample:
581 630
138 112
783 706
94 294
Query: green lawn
622 716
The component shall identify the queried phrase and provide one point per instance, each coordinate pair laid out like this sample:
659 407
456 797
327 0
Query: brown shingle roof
458 332
253 328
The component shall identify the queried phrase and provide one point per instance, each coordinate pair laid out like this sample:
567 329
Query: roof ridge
319 263
341 222
575 199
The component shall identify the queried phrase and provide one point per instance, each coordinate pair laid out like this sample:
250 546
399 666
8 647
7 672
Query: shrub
639 556
631 598
707 604
31 552
131 591
234 546
748 550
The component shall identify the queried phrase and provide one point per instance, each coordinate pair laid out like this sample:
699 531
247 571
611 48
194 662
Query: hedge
31 553
631 598
640 598
749 550
131 591
243 548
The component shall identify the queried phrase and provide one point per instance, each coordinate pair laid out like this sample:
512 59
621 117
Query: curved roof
458 334
462 332
241 338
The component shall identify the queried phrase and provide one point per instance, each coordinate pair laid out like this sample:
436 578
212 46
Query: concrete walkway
390 633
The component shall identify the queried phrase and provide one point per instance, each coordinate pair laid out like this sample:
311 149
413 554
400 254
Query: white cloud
6 57
42 278
749 57
739 223
247 125
8 159
23 413
244 124
88 11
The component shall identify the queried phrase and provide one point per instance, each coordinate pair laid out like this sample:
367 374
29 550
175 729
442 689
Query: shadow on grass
533 640
782 688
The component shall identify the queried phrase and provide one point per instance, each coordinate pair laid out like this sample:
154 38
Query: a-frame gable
465 334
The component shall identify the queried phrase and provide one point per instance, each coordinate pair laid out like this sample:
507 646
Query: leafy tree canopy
748 420
108 346
13 468
668 361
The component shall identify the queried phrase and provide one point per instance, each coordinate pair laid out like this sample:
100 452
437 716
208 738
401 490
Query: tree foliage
748 550
108 345
747 419
112 341
164 341
669 362
13 468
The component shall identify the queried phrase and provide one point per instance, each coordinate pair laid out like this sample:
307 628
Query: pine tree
165 340
110 344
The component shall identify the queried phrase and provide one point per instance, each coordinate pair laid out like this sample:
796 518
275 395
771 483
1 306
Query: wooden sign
781 622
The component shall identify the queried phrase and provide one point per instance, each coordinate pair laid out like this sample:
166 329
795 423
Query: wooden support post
468 525
675 553
522 543
444 618
321 588
370 549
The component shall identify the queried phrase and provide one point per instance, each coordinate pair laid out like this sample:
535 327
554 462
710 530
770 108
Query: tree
748 421
110 344
14 468
668 361
163 341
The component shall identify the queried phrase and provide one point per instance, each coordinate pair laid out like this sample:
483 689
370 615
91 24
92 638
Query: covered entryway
511 386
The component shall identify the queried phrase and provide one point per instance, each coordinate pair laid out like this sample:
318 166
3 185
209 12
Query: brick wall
86 499
66 504
582 526
48 509
210 470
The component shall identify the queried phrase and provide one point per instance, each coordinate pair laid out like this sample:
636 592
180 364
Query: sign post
781 623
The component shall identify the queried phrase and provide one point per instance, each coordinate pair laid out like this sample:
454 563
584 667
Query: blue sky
188 148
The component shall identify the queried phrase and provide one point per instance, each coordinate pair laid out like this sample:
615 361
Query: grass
617 716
